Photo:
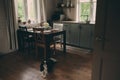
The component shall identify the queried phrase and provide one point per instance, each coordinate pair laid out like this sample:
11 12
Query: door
106 60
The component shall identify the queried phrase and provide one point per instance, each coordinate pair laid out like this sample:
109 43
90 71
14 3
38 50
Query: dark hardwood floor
76 65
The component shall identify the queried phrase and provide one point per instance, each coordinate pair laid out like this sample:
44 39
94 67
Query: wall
71 12
50 6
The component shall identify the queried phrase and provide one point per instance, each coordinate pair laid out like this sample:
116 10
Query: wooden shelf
65 7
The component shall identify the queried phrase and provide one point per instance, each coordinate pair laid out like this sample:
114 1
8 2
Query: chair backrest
23 28
39 35
24 34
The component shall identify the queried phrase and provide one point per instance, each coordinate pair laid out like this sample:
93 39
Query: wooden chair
40 40
57 40
27 39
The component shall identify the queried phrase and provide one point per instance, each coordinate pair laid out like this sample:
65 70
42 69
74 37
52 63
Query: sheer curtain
37 7
10 18
42 10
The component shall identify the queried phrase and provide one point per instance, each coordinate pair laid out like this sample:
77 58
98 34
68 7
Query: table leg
64 42
44 66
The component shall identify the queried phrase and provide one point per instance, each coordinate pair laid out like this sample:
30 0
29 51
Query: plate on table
47 31
55 29
30 29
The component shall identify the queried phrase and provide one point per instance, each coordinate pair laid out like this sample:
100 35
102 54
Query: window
21 11
29 9
86 10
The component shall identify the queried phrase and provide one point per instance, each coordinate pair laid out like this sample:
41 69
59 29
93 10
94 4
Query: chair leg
45 55
61 42
36 50
54 48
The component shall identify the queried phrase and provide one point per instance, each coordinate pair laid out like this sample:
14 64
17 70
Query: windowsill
84 22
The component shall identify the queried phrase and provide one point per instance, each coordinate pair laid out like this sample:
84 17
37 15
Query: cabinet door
86 36
67 28
75 34
92 36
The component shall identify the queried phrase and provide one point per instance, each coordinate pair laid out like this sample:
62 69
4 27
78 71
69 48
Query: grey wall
50 6
71 12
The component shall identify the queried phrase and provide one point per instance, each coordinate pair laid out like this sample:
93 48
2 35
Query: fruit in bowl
45 25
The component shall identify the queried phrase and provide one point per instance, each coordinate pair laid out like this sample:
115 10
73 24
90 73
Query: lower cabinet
74 34
68 36
86 36
80 35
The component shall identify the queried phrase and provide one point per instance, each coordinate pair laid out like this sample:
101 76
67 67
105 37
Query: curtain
42 10
10 17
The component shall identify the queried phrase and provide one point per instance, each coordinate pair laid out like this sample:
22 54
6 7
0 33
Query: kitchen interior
78 22
77 18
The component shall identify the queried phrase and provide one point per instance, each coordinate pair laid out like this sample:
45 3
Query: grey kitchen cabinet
86 36
75 34
67 28
72 33
80 35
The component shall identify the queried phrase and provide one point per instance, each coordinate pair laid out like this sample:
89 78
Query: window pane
85 11
21 12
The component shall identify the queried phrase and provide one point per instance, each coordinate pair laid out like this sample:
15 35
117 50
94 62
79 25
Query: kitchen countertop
74 22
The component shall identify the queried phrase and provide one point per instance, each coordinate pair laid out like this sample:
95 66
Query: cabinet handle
100 38
79 27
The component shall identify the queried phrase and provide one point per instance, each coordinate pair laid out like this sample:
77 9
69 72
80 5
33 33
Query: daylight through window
87 10
28 9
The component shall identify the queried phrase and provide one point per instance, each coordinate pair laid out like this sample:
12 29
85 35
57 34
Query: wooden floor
76 65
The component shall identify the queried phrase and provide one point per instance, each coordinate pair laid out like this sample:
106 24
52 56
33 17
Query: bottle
45 69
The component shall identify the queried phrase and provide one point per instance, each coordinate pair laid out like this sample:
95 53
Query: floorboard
75 65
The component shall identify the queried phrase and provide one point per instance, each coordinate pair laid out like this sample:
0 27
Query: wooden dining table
49 34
